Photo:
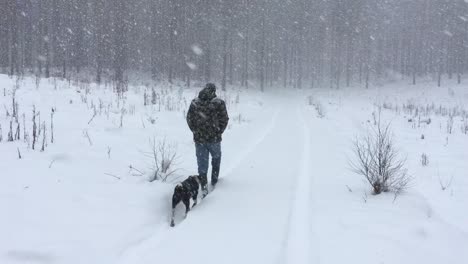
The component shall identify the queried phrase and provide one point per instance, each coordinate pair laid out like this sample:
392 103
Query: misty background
302 43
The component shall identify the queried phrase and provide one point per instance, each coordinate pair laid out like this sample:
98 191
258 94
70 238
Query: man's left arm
223 117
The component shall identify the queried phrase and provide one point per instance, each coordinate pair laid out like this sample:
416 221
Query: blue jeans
203 150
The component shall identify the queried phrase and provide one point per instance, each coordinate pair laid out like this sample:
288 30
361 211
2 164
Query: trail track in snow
298 235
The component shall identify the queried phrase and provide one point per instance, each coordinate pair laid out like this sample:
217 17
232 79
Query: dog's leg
172 217
175 201
195 198
187 206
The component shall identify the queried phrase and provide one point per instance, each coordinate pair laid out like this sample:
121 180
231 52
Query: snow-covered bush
449 124
239 118
424 160
378 161
163 155
451 92
465 126
320 109
317 106
444 184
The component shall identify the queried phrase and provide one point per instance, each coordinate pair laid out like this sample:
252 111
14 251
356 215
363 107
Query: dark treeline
297 43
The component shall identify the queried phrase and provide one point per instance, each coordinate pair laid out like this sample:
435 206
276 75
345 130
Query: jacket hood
208 93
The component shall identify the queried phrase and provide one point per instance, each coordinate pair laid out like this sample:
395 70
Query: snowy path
298 243
260 213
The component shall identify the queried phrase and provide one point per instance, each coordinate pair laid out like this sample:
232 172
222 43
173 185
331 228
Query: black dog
185 191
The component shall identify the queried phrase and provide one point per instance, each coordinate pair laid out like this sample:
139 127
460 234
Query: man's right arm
190 117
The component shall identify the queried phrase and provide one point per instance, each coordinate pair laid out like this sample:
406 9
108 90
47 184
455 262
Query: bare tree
52 125
44 136
378 161
34 133
19 153
10 133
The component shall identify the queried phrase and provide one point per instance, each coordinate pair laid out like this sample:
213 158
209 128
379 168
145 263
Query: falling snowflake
41 58
192 65
448 33
197 50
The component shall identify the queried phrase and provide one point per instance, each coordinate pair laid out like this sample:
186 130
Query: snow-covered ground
286 194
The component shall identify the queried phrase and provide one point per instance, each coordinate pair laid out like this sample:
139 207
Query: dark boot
215 171
214 178
214 175
204 185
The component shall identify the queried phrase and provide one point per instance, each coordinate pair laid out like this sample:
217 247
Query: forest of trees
296 43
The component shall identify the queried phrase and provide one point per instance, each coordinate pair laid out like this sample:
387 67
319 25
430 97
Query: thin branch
112 175
92 118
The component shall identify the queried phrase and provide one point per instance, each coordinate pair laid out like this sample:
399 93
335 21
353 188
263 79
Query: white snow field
286 193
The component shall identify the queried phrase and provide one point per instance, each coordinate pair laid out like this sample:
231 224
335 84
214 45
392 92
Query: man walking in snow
207 118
